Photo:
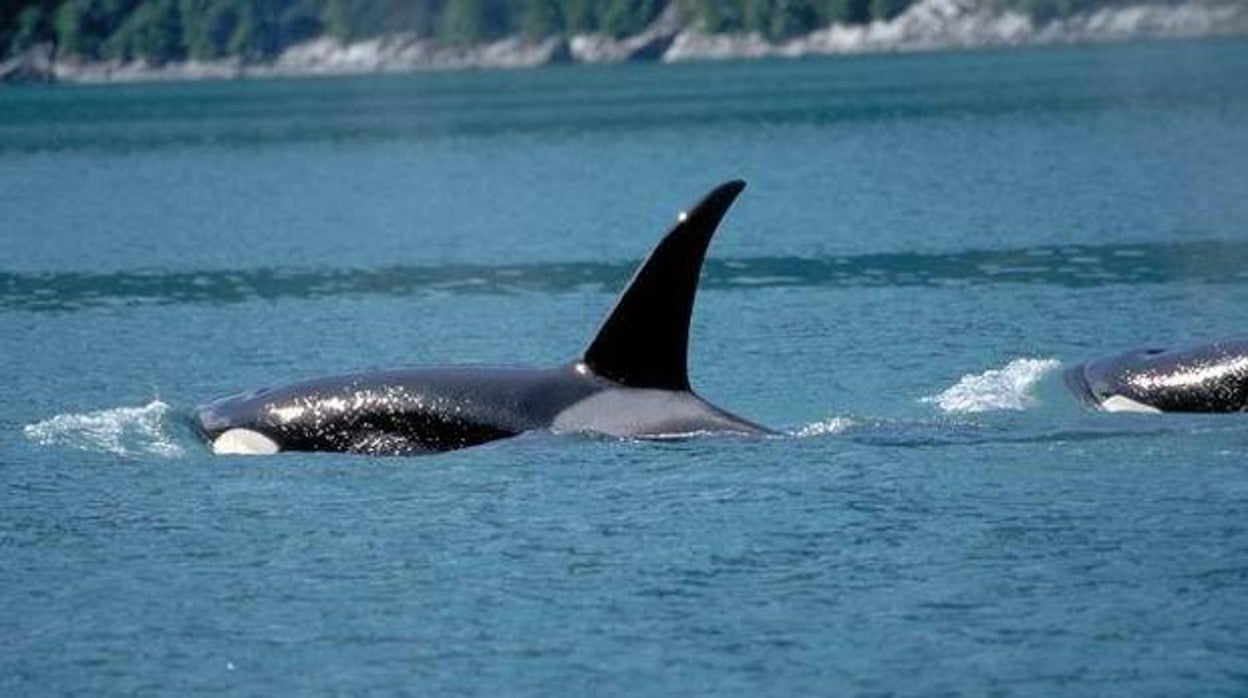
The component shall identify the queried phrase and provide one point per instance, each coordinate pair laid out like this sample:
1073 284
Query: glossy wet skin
400 411
1205 378
428 410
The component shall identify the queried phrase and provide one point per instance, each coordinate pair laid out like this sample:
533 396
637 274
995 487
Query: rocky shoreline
930 25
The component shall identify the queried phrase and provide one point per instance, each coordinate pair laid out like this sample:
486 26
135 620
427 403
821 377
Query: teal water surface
925 242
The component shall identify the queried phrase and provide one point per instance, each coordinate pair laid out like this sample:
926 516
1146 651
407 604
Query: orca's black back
402 411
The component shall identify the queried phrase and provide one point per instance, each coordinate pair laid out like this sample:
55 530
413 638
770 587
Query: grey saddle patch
647 413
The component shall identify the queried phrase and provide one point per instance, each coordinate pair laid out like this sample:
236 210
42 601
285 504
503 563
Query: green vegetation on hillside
170 30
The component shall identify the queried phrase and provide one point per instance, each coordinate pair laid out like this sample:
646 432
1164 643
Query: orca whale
1204 378
630 381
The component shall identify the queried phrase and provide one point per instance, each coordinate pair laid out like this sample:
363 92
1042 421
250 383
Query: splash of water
124 431
834 425
1007 388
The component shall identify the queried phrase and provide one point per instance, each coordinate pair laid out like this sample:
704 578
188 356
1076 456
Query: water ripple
423 107
1211 262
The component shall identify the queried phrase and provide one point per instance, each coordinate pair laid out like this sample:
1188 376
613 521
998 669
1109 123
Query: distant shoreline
929 25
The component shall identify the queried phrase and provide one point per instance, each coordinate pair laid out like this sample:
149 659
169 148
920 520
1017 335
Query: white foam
125 431
835 425
1007 388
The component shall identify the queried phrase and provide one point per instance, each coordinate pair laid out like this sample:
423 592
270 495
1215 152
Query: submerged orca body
1205 378
632 380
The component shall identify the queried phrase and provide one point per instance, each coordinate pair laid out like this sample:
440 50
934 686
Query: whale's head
234 424
1206 378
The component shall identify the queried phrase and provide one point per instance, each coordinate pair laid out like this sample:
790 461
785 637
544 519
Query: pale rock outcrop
71 70
931 25
32 65
405 52
650 44
927 25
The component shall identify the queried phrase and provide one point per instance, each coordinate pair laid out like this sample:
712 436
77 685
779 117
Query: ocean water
926 241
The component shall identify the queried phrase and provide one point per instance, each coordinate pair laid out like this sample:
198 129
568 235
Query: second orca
1210 377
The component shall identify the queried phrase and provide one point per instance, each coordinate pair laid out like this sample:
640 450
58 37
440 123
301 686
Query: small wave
835 425
1008 388
1208 261
124 431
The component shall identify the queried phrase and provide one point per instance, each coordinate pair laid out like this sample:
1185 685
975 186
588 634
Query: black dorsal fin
644 341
